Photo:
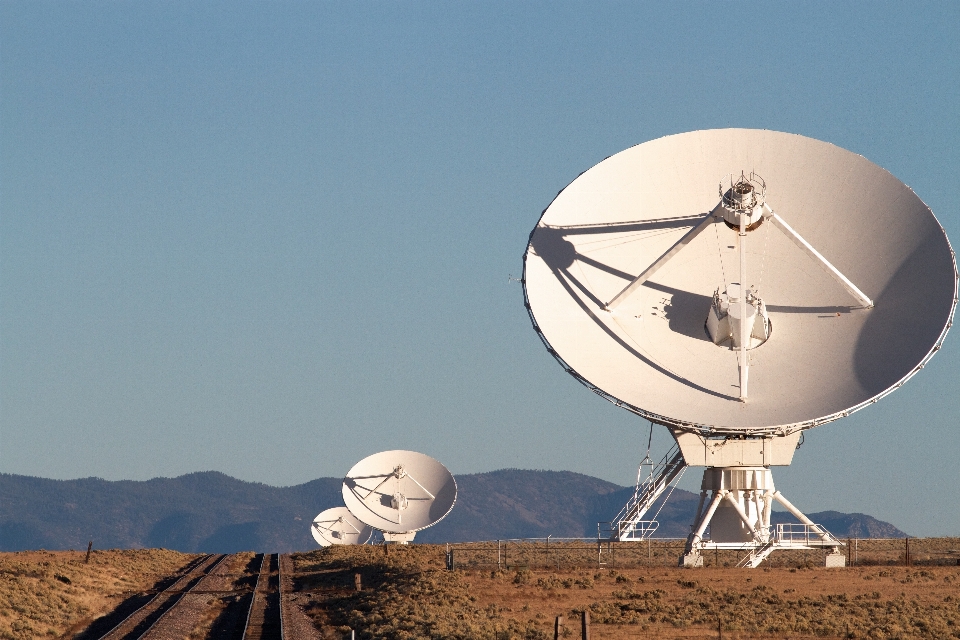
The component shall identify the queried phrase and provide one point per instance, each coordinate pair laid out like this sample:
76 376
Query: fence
578 553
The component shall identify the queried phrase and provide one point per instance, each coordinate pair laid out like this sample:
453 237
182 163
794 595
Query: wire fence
580 553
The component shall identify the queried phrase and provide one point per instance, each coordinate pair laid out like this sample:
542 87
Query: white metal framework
742 205
738 505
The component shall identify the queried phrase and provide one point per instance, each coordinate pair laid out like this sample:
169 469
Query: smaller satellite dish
399 492
339 526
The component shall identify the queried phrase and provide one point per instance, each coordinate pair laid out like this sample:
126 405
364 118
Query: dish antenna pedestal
398 538
736 504
742 329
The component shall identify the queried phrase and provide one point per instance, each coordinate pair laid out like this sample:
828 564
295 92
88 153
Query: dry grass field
409 594
45 594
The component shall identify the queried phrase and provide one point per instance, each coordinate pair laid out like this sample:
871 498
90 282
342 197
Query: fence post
585 625
89 547
557 628
356 582
906 554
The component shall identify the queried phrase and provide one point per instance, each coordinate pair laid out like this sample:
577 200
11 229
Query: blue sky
270 239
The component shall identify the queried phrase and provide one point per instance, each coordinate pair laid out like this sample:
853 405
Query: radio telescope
399 493
338 526
738 287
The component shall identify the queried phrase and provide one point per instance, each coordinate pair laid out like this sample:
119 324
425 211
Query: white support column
664 259
745 330
697 535
787 230
802 518
703 498
767 509
743 514
758 509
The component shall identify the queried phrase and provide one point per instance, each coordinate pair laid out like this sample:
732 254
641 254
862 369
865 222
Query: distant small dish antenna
399 493
738 316
339 526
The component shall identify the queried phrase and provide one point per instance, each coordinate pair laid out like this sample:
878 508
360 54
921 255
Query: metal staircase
629 525
757 555
790 536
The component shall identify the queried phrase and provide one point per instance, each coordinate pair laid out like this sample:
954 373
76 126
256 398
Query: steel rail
154 600
173 606
253 596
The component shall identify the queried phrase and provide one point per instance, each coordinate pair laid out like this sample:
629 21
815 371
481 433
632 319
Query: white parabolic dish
338 526
827 355
422 488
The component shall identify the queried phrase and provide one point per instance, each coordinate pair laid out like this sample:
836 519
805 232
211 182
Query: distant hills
212 512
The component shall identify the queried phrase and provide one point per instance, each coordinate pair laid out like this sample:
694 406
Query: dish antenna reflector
339 526
809 285
399 493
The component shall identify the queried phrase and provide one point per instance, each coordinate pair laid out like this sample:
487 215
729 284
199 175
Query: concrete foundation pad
691 560
835 561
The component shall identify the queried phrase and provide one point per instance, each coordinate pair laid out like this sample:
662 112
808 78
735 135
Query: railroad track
136 624
179 619
206 593
264 616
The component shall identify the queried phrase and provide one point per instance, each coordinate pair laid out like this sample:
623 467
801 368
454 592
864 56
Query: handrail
624 532
646 493
805 533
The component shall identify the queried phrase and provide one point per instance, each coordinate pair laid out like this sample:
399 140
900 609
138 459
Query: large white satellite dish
338 526
399 493
807 286
646 348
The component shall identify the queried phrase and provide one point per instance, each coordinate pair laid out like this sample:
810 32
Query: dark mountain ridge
212 512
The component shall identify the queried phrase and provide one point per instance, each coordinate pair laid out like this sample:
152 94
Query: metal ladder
628 525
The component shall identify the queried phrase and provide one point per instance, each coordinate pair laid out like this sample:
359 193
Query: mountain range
212 512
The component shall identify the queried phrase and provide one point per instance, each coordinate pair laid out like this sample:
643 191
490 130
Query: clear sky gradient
270 239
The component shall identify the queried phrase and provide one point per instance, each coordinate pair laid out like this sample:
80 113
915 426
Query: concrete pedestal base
691 560
835 561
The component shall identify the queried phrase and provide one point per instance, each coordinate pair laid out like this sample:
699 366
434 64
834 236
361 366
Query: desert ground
49 594
408 592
